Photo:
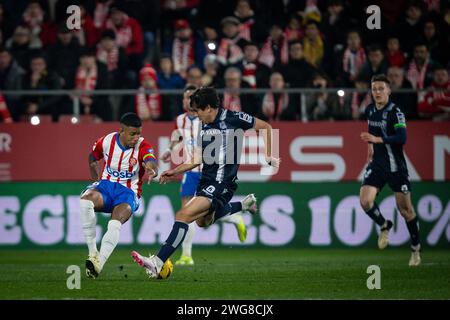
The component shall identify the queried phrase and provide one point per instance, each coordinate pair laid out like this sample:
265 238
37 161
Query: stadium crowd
166 44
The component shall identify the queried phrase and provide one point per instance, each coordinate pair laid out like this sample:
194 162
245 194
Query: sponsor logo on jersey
120 174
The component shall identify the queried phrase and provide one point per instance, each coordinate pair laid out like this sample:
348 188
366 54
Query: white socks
89 222
187 243
233 218
110 240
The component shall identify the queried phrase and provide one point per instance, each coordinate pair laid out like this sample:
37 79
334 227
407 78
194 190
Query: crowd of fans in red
230 44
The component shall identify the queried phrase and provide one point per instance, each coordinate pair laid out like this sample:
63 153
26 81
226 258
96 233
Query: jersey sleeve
242 120
97 149
398 119
146 153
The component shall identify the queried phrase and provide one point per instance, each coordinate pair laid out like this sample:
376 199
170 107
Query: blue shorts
189 183
113 194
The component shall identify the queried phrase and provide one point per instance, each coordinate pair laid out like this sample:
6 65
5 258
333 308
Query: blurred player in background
117 191
185 134
218 153
386 164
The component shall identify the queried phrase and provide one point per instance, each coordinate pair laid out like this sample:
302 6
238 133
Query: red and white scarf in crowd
360 100
109 58
352 62
416 77
229 52
245 29
231 102
249 73
182 54
148 106
86 79
267 56
124 33
268 105
101 12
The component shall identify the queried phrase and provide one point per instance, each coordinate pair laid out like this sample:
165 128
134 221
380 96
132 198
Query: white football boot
149 264
415 259
249 204
93 265
383 237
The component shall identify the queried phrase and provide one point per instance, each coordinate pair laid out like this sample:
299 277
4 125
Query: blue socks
174 240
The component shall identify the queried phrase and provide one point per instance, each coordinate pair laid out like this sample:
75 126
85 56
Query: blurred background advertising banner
298 215
311 152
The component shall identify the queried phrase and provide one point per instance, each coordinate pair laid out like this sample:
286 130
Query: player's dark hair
380 77
203 97
131 119
190 87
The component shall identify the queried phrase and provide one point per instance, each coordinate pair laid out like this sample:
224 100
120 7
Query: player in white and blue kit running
187 126
219 155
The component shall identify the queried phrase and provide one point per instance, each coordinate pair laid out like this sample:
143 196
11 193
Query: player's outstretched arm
93 167
151 169
266 128
187 166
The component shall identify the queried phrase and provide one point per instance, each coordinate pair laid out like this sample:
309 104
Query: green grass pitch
231 273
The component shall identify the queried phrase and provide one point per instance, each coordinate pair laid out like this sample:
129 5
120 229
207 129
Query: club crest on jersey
132 161
385 114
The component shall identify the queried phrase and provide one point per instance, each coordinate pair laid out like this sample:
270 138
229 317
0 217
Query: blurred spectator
185 49
411 25
313 46
323 105
128 35
436 105
254 73
11 78
43 33
294 30
394 54
359 99
298 72
439 52
168 79
211 75
93 75
420 69
148 105
278 105
5 116
101 12
275 51
88 35
375 64
19 46
251 29
352 60
406 101
40 78
210 12
335 23
232 98
230 46
194 76
63 56
115 60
